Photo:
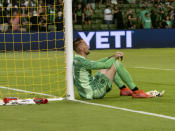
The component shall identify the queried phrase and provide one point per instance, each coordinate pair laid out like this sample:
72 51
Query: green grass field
151 69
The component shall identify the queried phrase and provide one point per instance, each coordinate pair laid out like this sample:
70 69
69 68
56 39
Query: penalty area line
128 110
152 68
25 91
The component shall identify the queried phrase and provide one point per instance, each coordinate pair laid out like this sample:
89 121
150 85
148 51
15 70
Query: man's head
147 15
79 6
80 46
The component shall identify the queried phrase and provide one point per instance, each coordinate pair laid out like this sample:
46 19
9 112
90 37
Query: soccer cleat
126 92
140 94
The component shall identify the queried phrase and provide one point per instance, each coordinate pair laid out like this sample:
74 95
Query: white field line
25 91
152 68
128 110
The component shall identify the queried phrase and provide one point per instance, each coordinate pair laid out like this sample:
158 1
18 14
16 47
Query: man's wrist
110 56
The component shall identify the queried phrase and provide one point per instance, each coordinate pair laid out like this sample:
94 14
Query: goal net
32 49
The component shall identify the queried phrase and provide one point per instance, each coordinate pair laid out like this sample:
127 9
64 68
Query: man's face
84 47
79 6
147 15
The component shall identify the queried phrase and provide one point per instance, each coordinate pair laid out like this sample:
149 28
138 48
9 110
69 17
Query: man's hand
118 55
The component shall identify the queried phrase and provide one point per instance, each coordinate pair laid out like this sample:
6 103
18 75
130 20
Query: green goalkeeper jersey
83 79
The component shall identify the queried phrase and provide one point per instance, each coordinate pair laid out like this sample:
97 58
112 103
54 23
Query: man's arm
89 64
103 59
115 56
94 65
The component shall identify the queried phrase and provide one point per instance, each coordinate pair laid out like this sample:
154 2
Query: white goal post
69 48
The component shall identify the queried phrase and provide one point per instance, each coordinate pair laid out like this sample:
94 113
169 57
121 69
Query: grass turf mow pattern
150 68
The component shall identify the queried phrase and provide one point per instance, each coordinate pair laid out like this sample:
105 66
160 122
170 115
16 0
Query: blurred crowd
125 14
31 15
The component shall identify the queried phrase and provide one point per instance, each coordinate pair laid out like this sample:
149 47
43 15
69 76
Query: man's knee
113 69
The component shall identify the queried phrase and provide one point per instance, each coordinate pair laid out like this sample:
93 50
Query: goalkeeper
110 70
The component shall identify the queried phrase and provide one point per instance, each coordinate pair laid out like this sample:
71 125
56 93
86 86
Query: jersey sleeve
89 64
103 59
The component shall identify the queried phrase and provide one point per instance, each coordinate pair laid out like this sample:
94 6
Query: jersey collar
77 55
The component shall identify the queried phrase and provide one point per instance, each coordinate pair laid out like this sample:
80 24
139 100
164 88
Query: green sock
124 75
118 81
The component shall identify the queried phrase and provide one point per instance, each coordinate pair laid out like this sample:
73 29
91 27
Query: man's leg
124 91
113 75
123 74
126 78
110 73
121 71
117 72
117 80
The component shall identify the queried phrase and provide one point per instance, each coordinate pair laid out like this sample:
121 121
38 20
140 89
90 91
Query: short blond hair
76 43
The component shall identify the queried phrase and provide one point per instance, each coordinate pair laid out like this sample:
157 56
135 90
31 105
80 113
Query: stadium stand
127 14
33 15
130 14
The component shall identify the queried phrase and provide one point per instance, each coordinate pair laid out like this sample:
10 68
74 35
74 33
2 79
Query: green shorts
101 85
